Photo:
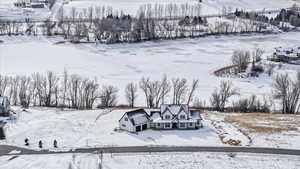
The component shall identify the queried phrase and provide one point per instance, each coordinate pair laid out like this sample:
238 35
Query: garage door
138 128
2 136
144 126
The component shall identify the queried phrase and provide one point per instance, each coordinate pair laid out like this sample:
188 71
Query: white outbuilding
135 121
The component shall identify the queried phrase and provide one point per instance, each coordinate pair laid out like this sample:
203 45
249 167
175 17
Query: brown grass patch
265 123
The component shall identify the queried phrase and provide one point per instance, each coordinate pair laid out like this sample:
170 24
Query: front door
138 128
174 125
144 127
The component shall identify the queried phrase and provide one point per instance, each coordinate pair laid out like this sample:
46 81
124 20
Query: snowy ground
152 161
95 128
120 64
75 129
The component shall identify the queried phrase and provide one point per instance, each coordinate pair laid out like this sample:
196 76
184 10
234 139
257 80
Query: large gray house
169 116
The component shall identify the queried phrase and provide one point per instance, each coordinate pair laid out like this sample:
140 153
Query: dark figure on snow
26 142
55 144
40 144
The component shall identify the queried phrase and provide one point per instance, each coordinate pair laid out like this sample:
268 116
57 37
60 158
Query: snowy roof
196 115
137 117
173 108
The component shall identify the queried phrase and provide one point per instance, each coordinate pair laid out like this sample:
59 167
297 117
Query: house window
123 125
167 125
182 117
126 119
191 124
158 124
168 117
182 125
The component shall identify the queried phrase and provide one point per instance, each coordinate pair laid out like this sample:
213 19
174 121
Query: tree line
291 15
74 91
152 22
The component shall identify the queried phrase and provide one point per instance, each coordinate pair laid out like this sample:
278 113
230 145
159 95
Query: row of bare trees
158 92
104 25
73 91
52 90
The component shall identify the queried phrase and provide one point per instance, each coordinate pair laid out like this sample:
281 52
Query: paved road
5 150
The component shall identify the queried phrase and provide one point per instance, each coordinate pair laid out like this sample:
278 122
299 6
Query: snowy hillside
208 6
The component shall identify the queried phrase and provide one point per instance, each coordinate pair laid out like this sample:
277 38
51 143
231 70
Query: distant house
169 117
37 5
4 106
286 54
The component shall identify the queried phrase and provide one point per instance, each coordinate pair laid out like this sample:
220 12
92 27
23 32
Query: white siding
126 125
167 113
167 125
182 113
191 125
181 125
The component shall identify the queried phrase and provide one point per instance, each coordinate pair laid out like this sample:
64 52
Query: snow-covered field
95 128
152 161
120 64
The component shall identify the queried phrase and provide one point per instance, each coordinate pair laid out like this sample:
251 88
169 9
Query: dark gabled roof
174 109
130 115
138 111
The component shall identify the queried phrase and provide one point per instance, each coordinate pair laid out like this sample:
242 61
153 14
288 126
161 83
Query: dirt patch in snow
228 133
265 123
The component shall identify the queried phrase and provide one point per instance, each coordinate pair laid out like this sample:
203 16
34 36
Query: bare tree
25 91
155 91
193 88
288 91
180 89
165 89
222 94
109 96
257 54
144 85
4 84
131 93
241 59
52 82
